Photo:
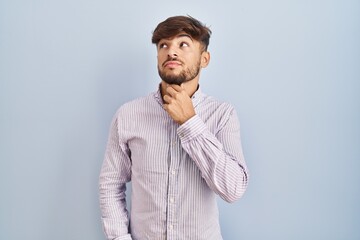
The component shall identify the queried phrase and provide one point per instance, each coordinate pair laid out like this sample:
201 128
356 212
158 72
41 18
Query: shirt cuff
126 237
191 128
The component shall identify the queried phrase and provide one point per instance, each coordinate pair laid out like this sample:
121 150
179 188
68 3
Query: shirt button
171 227
173 172
172 200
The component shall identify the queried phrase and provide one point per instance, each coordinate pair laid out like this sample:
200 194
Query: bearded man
179 148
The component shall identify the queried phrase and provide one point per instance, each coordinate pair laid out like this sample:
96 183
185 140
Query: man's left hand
178 104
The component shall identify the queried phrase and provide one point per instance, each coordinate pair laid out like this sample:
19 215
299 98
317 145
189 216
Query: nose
172 52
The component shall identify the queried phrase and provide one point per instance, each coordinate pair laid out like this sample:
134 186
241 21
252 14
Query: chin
173 81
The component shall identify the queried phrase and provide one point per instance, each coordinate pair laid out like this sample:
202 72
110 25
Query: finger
165 106
167 98
177 87
171 91
168 109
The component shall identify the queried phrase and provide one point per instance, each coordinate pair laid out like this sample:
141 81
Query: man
179 148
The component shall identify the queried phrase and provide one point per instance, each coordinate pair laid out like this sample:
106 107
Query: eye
162 45
184 44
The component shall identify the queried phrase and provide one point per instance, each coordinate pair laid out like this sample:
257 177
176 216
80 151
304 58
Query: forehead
179 36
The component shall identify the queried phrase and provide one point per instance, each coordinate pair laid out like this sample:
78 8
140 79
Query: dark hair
175 25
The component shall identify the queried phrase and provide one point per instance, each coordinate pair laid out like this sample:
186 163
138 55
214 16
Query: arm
219 158
115 173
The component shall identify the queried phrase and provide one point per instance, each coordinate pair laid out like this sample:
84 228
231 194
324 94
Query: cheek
160 59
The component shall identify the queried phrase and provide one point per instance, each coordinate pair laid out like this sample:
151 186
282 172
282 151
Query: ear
205 59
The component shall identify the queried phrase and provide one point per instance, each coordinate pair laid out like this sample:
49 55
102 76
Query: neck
190 87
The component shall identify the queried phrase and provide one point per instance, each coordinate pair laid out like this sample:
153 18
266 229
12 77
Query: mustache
169 59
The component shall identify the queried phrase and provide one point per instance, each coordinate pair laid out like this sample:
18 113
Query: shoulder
220 106
136 105
132 113
216 113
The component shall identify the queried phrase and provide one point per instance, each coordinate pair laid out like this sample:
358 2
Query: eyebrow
178 36
185 35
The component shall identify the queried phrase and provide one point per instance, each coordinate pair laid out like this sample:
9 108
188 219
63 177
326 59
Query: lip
172 64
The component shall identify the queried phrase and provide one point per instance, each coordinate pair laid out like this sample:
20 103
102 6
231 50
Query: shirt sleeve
115 173
218 156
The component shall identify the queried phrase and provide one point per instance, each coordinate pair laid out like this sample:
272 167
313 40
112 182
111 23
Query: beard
184 76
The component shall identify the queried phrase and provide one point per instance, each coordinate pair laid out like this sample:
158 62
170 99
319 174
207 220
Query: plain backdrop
290 68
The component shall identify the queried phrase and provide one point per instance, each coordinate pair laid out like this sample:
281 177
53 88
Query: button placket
172 188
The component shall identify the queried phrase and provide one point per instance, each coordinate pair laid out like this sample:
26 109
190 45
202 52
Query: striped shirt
175 170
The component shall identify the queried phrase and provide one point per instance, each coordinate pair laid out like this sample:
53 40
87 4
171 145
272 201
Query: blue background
291 68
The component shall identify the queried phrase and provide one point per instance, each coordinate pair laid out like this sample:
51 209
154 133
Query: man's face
179 59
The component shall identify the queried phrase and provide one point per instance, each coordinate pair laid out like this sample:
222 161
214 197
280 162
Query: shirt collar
196 97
